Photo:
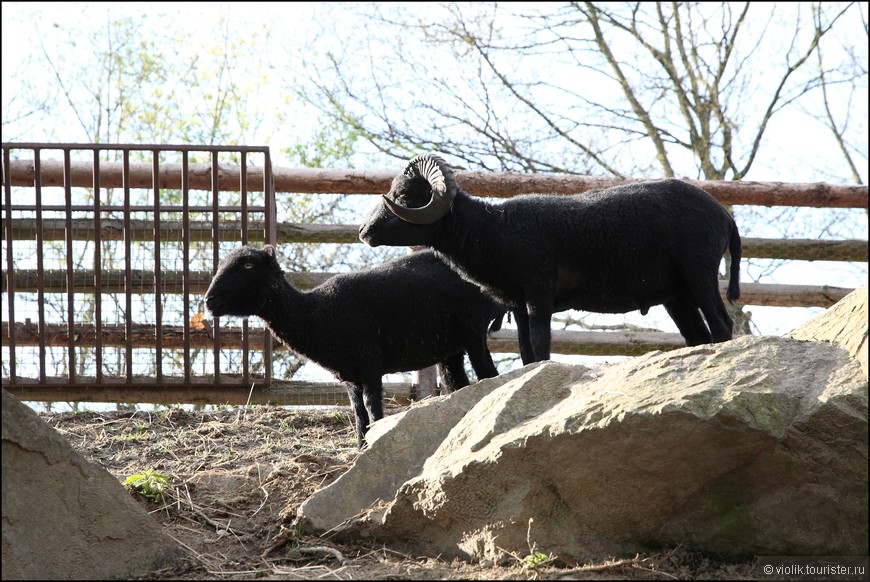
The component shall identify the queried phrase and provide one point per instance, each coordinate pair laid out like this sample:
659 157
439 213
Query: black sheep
407 314
609 251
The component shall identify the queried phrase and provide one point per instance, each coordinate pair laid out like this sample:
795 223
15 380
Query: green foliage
536 560
149 484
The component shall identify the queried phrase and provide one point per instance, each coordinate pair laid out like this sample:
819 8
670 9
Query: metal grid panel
103 284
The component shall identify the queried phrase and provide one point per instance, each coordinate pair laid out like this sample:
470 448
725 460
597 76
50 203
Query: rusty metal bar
158 277
98 275
215 260
271 220
133 147
120 207
10 271
243 192
70 267
128 269
185 258
244 197
40 267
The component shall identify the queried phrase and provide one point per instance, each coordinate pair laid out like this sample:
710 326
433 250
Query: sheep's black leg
721 324
707 297
539 331
373 398
361 416
453 376
480 358
526 352
689 322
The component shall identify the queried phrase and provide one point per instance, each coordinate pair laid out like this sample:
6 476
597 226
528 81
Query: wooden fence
43 204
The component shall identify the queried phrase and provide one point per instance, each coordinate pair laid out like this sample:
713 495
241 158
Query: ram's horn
438 173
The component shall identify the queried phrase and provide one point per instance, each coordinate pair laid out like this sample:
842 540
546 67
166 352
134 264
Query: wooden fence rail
489 184
142 283
113 229
199 390
610 343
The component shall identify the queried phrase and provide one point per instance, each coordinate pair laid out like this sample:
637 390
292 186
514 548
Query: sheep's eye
248 265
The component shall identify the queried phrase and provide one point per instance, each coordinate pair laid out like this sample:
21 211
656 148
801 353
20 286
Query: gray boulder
757 446
845 324
64 518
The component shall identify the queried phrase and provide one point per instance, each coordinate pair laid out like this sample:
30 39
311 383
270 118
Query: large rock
64 518
754 446
844 324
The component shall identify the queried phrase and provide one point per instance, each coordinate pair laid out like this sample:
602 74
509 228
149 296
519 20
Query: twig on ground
323 550
285 537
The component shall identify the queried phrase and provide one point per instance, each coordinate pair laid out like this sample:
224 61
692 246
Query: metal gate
107 251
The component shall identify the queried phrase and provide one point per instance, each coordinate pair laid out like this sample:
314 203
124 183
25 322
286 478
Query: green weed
148 484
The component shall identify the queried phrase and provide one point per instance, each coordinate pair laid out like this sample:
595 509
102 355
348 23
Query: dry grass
238 476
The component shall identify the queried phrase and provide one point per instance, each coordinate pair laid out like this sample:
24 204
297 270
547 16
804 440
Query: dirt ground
235 478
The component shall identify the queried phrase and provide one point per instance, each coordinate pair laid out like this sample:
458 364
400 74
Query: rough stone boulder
845 324
757 446
64 518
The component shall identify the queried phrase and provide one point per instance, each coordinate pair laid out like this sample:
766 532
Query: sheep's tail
734 247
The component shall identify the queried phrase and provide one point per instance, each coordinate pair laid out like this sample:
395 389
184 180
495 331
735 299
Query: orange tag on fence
198 322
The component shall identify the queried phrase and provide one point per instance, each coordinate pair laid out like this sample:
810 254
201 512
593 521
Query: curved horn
439 175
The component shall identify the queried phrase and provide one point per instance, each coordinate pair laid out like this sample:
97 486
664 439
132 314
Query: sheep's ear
269 250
